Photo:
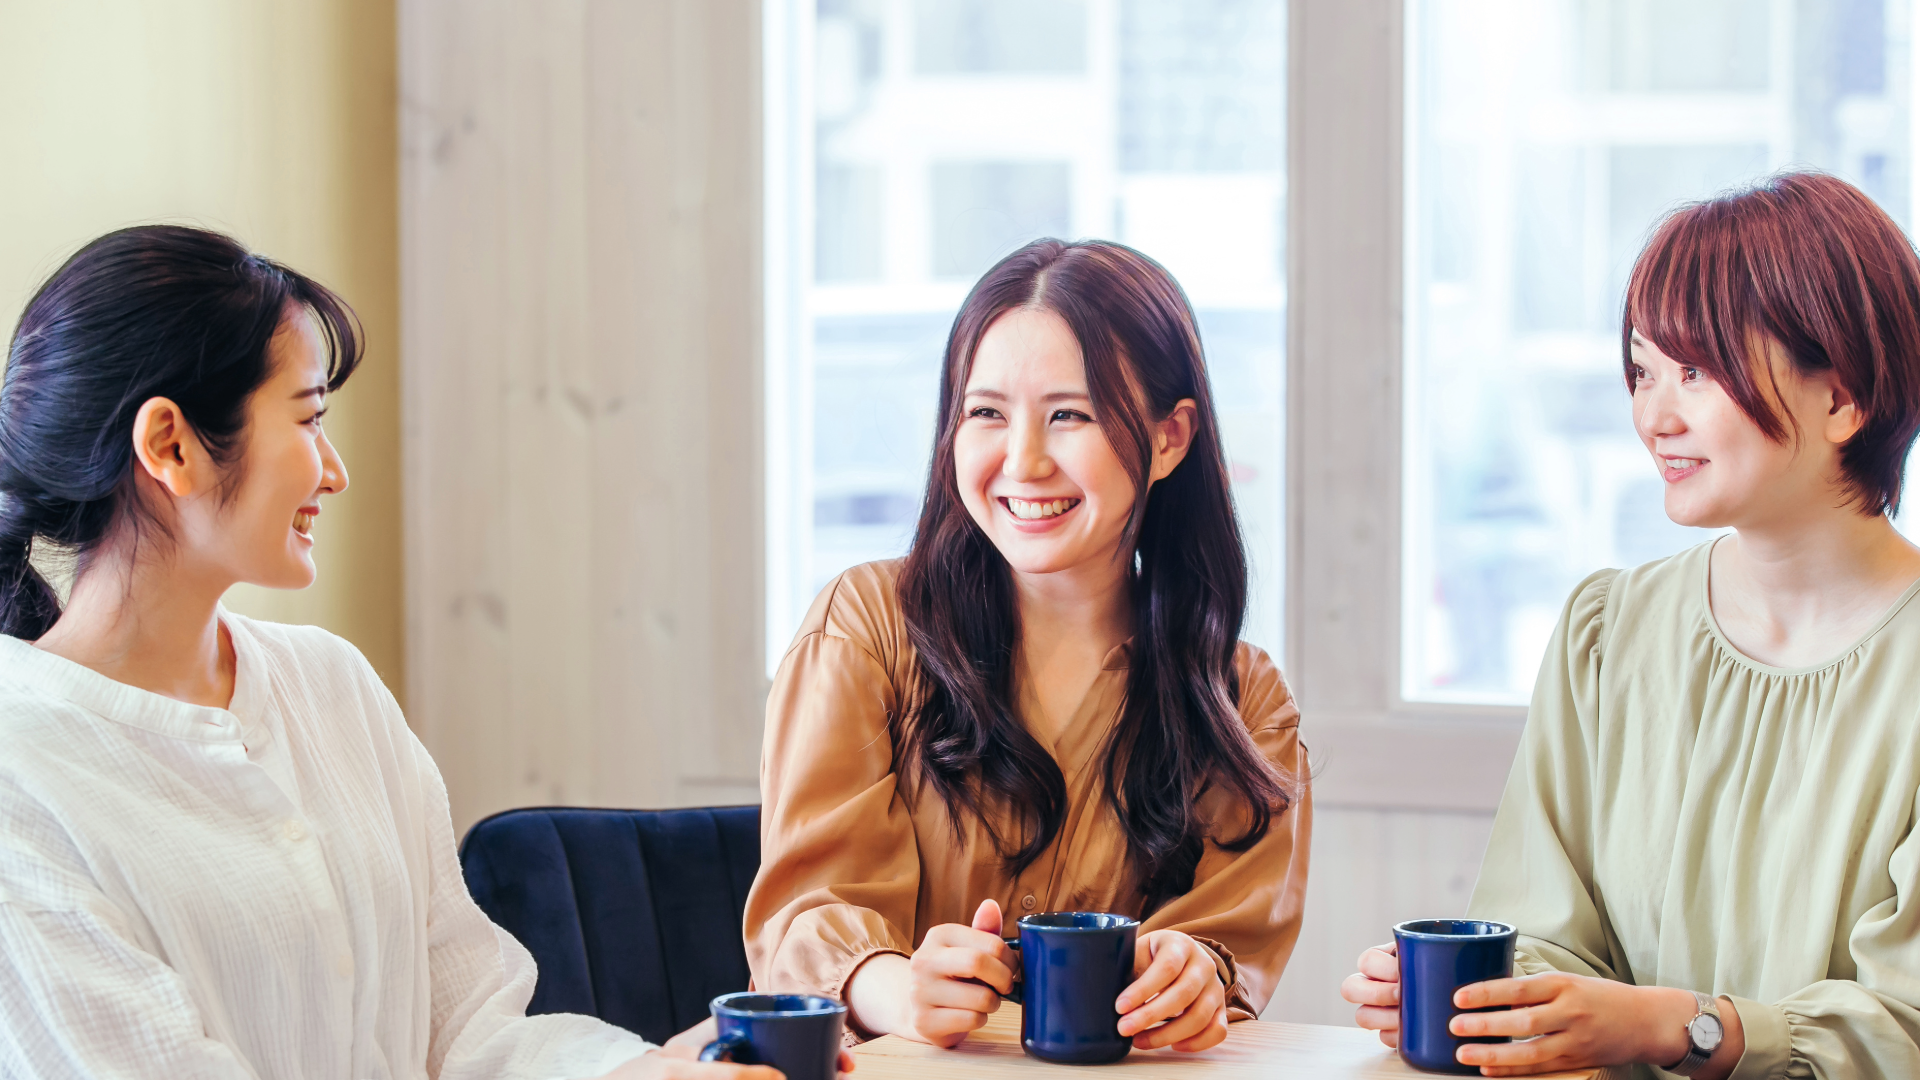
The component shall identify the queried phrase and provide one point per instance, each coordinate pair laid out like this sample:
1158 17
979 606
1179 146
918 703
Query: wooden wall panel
580 200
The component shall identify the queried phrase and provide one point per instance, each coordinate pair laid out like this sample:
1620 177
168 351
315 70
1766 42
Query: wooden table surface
1254 1048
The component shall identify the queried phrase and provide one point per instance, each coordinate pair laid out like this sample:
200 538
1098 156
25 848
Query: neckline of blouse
1733 652
134 707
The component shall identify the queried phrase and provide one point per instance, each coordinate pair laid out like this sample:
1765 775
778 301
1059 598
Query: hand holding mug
958 975
1376 989
678 1059
1190 996
1578 1021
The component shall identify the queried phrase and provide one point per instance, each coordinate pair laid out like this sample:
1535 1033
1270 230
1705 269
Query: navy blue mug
1073 966
1437 957
799 1034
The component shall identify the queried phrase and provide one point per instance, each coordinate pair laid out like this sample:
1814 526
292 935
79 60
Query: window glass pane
1544 140
940 136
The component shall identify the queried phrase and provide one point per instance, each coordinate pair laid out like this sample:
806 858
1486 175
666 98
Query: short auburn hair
1810 262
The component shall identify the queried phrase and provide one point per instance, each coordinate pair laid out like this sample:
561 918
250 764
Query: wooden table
1254 1048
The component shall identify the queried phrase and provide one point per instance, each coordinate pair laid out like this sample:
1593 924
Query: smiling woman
1046 706
1707 842
225 854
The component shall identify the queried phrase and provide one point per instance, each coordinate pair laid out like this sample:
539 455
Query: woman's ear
1845 417
167 448
1173 437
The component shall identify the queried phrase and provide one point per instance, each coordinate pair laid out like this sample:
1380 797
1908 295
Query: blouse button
295 831
1027 902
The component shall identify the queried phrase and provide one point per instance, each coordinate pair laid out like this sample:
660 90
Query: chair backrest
634 916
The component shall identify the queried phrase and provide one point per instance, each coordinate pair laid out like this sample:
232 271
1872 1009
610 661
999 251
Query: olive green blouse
1680 815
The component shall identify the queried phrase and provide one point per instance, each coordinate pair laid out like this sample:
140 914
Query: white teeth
303 524
1682 463
1033 510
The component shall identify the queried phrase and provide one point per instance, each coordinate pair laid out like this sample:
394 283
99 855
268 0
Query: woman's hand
1176 981
1577 1022
950 986
1376 989
679 1059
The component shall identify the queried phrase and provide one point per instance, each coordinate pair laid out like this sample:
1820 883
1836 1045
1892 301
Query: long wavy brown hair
1179 734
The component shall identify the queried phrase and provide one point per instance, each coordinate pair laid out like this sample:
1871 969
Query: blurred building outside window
913 143
1545 138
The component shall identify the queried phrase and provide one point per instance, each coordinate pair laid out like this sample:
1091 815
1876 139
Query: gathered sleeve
839 864
1246 905
1867 1026
1538 871
81 996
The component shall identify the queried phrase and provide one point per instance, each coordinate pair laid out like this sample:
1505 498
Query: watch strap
1697 1055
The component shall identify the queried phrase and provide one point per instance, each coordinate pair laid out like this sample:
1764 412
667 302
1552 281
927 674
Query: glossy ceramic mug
799 1034
1073 966
1437 957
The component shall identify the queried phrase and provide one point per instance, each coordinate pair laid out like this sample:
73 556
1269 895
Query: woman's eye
1692 374
314 420
983 412
1072 414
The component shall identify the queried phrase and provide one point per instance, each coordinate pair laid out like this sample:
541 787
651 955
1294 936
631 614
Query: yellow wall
270 119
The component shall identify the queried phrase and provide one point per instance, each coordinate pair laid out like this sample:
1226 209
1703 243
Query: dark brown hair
1808 261
1179 733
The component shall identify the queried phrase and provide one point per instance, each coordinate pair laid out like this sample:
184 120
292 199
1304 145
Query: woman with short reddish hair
1707 839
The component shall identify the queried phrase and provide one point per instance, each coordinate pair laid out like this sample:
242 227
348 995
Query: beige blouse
852 865
1680 815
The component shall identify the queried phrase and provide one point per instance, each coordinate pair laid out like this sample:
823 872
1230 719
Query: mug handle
724 1047
1014 995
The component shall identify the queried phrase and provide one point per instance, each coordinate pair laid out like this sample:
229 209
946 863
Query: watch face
1706 1032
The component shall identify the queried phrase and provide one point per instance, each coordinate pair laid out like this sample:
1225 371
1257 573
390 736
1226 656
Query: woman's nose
1027 455
1655 411
333 471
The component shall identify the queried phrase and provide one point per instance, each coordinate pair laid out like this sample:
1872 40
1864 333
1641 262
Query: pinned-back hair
151 311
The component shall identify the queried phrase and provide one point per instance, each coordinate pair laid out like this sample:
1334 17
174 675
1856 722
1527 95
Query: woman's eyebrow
311 391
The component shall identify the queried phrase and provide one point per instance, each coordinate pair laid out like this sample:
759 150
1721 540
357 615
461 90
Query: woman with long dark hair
1046 706
222 853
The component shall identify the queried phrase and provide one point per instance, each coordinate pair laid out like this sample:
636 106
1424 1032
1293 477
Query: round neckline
1713 625
124 703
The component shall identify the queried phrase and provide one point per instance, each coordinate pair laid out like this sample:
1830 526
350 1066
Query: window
913 143
1544 138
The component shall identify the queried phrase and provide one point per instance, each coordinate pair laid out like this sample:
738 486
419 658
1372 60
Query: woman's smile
303 521
1031 516
1676 469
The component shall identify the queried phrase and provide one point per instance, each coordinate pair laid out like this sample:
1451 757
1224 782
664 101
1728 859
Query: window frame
1346 206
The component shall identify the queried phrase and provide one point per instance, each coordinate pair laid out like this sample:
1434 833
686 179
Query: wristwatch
1704 1033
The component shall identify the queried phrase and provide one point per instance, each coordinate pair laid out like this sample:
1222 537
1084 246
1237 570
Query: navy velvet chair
634 916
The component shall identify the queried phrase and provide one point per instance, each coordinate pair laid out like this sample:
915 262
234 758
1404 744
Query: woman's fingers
1525 990
1520 1023
1518 1058
956 994
1185 1024
1374 1018
1361 990
955 936
945 1027
1175 1000
1382 963
1160 957
1210 1036
962 963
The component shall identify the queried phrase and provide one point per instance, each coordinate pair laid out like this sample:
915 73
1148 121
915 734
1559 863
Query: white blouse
266 890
